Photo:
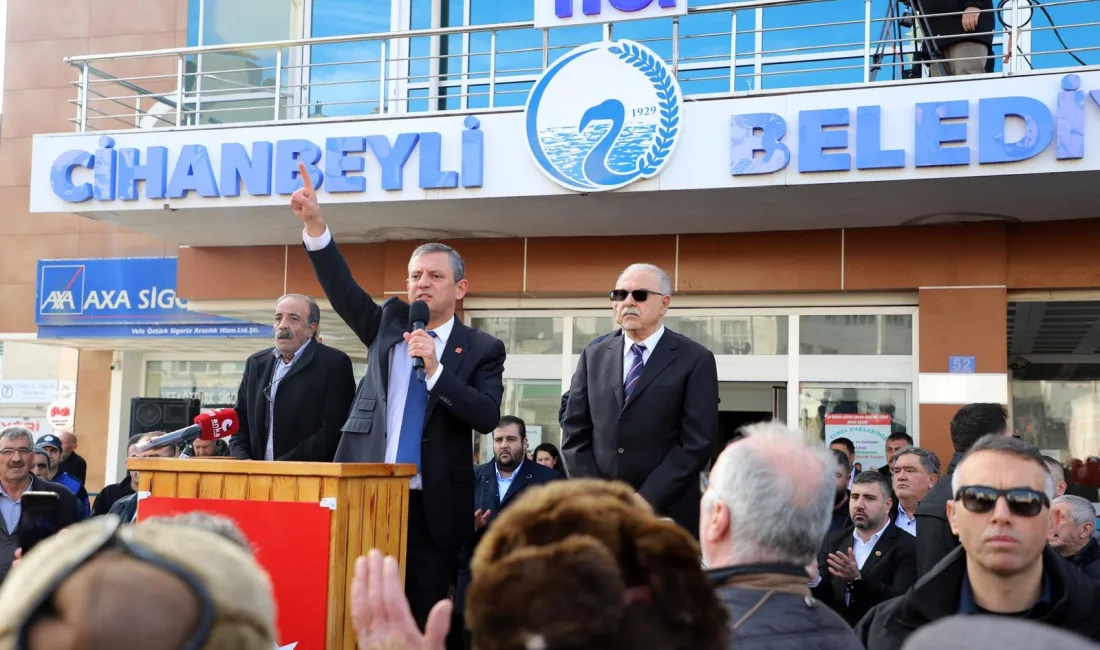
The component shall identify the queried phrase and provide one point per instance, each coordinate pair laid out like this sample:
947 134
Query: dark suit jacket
935 540
68 514
310 405
76 467
661 438
465 398
889 571
487 496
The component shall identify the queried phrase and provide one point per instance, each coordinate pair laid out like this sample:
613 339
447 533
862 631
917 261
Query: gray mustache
631 311
284 334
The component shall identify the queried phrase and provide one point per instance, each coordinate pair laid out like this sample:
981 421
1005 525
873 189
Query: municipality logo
603 116
62 290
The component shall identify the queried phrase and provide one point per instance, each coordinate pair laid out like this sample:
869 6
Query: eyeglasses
11 451
640 295
1022 502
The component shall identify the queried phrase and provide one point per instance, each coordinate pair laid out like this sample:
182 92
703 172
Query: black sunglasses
1022 502
640 295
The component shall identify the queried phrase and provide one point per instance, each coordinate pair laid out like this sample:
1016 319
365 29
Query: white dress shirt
862 550
905 522
400 371
505 483
628 354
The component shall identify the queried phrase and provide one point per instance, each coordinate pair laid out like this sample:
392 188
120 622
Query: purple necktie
635 370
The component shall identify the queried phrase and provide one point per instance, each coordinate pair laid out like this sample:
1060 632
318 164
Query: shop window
867 413
536 402
587 328
214 382
523 334
856 334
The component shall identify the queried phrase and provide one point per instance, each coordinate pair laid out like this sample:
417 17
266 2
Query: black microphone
418 320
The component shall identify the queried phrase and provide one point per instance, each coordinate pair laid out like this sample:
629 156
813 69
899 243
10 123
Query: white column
126 383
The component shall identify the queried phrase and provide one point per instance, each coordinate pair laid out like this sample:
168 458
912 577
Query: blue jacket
486 490
74 486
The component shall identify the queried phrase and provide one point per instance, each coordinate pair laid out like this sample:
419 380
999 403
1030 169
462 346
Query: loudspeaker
161 414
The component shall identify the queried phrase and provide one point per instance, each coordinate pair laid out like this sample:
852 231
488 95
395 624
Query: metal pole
545 48
278 82
866 41
492 69
1014 40
84 79
382 77
676 45
733 51
179 90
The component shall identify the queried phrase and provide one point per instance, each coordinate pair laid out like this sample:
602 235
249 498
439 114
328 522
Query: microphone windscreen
418 312
220 423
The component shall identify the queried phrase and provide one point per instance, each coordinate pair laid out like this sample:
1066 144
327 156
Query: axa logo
62 290
603 116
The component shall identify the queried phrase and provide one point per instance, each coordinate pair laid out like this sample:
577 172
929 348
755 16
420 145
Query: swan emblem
603 116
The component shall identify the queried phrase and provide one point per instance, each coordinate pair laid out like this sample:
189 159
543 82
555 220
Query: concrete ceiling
795 207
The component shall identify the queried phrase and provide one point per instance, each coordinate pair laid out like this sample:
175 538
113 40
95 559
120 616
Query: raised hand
304 204
380 612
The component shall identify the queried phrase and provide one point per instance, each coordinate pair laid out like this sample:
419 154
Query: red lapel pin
458 350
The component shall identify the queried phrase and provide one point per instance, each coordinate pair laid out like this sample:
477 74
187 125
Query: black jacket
68 514
311 402
110 494
465 398
889 571
1088 560
785 621
1073 606
934 537
76 467
657 441
949 29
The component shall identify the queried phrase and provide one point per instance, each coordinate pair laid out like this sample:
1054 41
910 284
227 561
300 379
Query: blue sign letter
432 176
869 152
932 134
1069 136
338 164
630 5
992 113
287 155
193 172
61 176
254 171
473 153
393 158
813 140
745 143
154 172
106 159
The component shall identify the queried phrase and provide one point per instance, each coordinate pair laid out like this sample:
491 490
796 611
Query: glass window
1057 408
215 382
865 413
722 335
856 334
524 334
587 328
536 402
344 77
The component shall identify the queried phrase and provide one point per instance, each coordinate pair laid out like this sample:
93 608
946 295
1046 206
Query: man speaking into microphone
403 415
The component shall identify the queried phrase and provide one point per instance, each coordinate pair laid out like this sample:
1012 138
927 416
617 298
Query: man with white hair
765 509
1000 510
643 404
1072 523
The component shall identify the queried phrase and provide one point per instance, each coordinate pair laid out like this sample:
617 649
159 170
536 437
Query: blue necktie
635 370
412 419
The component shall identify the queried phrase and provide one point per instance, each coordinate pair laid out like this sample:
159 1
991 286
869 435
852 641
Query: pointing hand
304 204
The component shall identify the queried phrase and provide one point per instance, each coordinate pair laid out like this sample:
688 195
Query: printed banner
291 542
867 431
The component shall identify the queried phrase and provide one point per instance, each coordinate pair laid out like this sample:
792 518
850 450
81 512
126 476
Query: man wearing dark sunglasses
1000 511
643 404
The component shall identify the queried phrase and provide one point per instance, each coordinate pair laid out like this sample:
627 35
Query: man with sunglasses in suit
293 396
643 403
1000 510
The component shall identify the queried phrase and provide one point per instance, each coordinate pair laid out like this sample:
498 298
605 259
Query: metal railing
717 51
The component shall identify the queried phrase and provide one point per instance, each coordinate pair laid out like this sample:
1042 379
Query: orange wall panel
93 401
924 256
366 262
1054 255
963 322
935 431
590 265
493 266
754 262
228 273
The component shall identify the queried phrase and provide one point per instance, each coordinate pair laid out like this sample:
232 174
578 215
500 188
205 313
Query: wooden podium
371 508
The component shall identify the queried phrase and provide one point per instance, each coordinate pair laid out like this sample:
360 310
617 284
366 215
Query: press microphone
209 425
418 320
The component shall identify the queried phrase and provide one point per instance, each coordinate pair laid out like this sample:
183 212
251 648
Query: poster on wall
867 431
38 426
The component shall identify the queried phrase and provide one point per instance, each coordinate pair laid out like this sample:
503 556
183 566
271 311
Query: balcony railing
743 48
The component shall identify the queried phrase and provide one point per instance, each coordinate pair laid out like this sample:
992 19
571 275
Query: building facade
862 250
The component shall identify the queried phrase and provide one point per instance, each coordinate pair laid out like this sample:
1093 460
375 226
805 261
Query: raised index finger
307 181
